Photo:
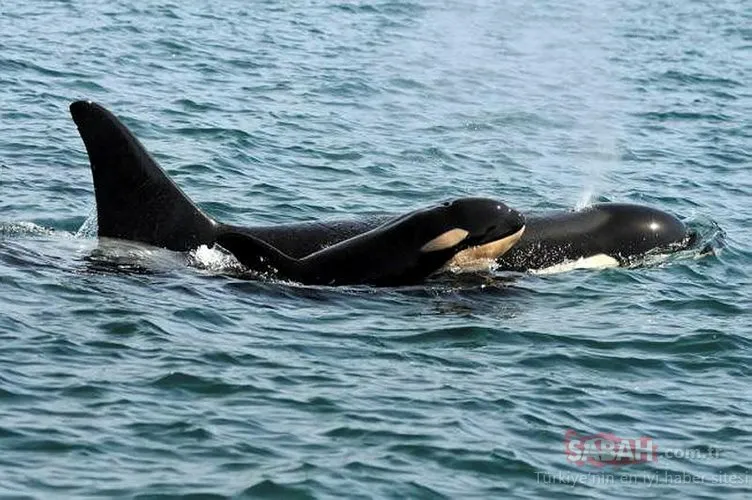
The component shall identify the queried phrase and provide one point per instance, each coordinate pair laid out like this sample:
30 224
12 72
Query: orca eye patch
445 240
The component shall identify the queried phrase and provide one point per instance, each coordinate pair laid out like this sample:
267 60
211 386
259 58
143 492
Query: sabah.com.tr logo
608 449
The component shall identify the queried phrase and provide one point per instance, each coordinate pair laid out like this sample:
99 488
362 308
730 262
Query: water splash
213 259
586 198
15 229
89 228
605 159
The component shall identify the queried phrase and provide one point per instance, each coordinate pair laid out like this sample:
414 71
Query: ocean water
162 377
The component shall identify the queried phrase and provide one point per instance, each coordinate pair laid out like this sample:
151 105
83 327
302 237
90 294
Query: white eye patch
445 240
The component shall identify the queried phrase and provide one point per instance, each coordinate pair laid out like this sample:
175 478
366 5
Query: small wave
683 115
698 78
267 488
453 335
175 430
180 381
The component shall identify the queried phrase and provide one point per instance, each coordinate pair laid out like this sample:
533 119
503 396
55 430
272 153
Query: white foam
24 228
652 260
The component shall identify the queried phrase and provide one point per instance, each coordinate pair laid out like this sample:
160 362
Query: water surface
169 380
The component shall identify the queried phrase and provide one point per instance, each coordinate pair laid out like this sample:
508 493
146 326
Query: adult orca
601 235
136 200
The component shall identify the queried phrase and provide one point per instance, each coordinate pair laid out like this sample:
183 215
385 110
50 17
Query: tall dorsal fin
135 198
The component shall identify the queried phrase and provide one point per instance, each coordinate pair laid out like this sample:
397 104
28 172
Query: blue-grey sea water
169 379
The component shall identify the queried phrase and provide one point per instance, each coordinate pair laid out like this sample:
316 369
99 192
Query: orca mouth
484 255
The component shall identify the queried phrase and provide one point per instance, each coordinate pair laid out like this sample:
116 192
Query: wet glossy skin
137 201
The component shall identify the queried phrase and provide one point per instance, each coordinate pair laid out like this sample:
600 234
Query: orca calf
137 201
404 250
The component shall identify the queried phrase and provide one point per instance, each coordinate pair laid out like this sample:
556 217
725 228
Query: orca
404 250
600 235
137 201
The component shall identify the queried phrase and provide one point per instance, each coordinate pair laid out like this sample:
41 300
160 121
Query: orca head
470 233
634 230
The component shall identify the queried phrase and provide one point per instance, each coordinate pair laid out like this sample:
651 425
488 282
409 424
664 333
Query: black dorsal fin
135 198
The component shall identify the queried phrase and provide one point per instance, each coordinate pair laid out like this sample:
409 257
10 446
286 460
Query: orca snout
515 220
487 219
494 228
